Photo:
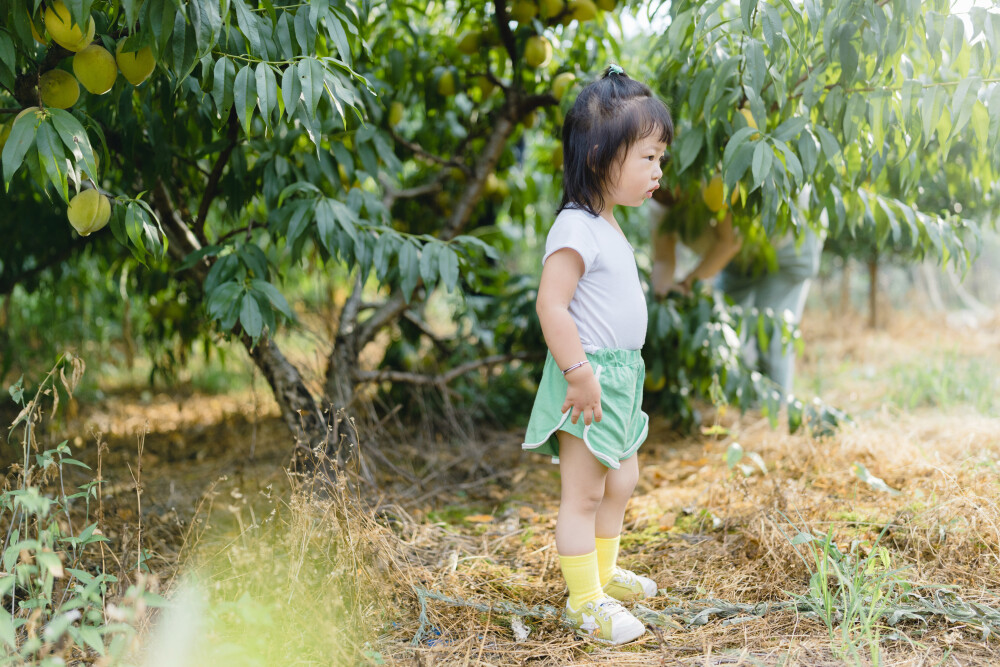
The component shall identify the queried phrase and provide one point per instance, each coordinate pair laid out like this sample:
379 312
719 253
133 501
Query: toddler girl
587 414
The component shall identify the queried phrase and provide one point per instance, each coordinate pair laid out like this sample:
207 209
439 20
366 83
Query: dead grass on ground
472 521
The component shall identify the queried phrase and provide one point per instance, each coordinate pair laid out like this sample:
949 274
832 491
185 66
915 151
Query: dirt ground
473 521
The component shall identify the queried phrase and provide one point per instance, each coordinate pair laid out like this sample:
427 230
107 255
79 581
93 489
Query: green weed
945 383
55 591
851 593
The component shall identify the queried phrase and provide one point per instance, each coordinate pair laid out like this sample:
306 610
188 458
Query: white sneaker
627 586
604 621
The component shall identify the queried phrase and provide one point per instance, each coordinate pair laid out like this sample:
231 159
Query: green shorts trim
623 426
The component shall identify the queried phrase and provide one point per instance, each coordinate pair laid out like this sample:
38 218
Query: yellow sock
607 557
582 579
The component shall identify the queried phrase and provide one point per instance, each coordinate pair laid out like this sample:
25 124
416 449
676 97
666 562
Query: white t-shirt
609 306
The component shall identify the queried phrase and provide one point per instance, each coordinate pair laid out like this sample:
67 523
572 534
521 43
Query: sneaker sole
608 642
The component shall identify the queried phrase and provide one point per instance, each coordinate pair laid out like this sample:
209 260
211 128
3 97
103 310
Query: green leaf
964 100
688 147
794 415
245 96
248 26
75 138
222 298
980 123
808 152
284 35
291 89
7 60
792 163
131 8
409 269
339 37
734 453
305 34
222 86
746 10
267 91
932 105
802 538
448 268
829 143
311 78
160 18
53 159
429 262
250 316
275 297
790 128
756 65
763 156
848 54
22 136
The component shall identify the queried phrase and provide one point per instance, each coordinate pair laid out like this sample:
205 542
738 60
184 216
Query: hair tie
615 69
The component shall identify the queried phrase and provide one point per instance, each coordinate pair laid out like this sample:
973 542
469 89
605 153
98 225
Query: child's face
639 174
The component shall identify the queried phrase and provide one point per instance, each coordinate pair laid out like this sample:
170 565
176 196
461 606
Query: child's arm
560 275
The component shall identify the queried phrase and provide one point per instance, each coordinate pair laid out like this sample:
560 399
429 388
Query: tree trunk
299 409
873 318
845 287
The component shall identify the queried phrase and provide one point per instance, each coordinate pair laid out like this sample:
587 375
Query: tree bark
845 287
873 318
299 410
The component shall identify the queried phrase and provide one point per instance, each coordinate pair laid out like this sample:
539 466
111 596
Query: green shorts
623 424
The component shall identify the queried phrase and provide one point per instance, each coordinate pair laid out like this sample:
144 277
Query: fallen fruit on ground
95 68
64 32
57 88
88 211
136 66
537 51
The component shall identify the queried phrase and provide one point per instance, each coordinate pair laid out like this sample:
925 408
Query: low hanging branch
445 378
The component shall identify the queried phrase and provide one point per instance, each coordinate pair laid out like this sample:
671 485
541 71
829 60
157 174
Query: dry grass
704 531
294 573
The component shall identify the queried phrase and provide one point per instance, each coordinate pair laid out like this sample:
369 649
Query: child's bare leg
582 494
618 487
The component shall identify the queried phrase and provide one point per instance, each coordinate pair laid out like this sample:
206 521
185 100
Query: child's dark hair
608 116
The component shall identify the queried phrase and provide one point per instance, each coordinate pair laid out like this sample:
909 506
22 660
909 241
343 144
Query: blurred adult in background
770 275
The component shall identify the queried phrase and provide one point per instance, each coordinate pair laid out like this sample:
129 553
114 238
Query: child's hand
583 396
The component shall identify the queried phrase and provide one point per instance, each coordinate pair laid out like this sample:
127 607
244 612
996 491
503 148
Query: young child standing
587 414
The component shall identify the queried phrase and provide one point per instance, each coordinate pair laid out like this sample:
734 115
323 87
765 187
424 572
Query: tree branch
441 380
387 312
487 162
506 36
212 186
412 318
392 194
419 150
